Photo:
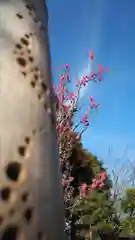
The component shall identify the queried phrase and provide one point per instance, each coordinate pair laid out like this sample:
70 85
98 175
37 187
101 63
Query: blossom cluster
69 100
68 107
97 183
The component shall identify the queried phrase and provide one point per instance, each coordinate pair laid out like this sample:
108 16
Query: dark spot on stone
36 77
27 140
44 87
13 170
34 131
36 69
39 96
5 193
33 84
24 74
10 233
22 151
28 7
24 41
29 51
24 197
18 46
31 59
42 28
28 215
45 106
19 15
41 129
1 220
35 20
21 61
27 36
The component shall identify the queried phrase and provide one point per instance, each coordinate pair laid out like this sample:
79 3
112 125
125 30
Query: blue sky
107 27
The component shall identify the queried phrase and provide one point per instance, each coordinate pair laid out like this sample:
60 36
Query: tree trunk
31 204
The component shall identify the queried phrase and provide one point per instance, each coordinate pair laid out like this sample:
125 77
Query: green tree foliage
128 206
128 226
94 213
128 202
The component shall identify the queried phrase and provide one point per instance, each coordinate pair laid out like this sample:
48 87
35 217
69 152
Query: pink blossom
102 175
106 69
83 190
94 105
66 108
65 90
67 76
64 182
85 119
100 78
95 184
54 86
91 55
62 77
67 66
101 185
93 74
100 68
64 66
71 179
91 98
59 129
94 180
86 78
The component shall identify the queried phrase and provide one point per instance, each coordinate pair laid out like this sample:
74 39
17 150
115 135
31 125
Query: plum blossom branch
67 107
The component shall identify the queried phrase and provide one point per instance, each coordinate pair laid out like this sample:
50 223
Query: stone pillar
31 204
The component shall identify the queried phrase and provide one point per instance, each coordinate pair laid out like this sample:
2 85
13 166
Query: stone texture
31 204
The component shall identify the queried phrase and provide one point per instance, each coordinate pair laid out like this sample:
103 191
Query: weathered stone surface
31 204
